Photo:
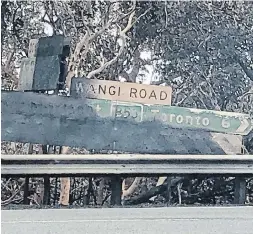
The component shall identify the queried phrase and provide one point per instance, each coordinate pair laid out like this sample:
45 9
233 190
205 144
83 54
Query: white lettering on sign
225 123
98 108
155 111
180 119
171 117
205 121
121 91
189 120
164 117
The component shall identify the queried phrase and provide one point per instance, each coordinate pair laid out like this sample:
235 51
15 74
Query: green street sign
178 117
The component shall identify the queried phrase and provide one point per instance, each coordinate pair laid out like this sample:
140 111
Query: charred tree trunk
144 197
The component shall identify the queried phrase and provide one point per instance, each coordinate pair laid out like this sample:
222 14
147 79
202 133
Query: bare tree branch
74 58
122 35
132 188
144 197
7 182
250 92
179 186
247 71
84 24
143 14
88 39
9 200
85 42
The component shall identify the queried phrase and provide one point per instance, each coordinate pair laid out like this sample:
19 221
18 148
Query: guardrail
128 164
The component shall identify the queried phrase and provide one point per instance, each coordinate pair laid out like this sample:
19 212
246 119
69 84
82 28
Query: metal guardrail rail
120 164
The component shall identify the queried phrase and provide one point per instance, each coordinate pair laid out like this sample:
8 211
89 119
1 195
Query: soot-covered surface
54 120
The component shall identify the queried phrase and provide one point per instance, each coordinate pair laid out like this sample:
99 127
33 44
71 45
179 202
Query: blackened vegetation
190 190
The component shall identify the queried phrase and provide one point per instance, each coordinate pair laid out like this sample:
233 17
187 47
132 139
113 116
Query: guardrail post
26 191
27 178
46 197
240 190
116 183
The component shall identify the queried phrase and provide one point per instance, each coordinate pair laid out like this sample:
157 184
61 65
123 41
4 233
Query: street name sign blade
177 117
210 120
120 91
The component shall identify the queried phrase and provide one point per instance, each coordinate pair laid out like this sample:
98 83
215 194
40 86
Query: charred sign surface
46 119
43 69
39 73
46 46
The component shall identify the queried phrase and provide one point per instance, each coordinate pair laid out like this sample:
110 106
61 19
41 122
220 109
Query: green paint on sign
178 117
